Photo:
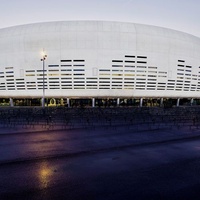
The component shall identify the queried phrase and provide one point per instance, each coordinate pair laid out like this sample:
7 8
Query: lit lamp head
44 56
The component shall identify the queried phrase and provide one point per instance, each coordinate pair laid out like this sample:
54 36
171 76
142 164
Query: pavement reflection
45 174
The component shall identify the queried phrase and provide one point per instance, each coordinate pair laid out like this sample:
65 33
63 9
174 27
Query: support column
141 101
68 102
161 102
43 102
191 102
118 102
93 102
178 101
11 102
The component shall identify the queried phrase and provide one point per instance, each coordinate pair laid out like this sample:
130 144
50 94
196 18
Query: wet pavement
157 160
100 164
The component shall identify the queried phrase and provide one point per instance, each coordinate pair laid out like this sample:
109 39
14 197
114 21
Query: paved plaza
97 153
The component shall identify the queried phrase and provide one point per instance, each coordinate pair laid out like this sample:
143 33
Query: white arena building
94 62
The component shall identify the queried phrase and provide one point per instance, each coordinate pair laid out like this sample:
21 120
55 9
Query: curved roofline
139 24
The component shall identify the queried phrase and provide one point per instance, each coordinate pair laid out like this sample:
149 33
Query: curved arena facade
98 59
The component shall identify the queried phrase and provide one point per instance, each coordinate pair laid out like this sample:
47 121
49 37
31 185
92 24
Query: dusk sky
182 15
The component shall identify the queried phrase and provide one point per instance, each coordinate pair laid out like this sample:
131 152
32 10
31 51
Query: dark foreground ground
91 154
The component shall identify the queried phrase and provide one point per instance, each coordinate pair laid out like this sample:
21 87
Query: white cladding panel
98 59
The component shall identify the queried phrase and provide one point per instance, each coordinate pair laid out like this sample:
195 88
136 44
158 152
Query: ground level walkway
96 128
109 154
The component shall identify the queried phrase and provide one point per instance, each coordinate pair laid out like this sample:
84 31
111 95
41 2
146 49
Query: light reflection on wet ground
44 174
123 153
154 171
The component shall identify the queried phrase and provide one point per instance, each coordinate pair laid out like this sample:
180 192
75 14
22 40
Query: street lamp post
44 56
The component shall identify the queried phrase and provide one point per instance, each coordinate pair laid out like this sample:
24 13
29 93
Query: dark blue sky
181 15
